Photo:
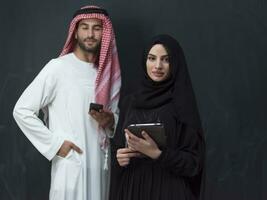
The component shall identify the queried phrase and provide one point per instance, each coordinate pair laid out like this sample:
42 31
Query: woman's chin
158 78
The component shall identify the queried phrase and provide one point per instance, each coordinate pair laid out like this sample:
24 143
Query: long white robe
65 88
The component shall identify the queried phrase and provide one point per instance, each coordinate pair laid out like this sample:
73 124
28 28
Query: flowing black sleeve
185 159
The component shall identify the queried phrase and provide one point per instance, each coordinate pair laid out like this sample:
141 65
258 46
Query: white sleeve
110 132
38 95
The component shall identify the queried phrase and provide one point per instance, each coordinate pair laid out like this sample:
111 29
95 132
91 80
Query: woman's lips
158 74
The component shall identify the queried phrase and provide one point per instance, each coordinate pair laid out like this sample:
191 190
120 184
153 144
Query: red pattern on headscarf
108 79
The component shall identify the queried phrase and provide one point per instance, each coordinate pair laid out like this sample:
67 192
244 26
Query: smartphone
95 106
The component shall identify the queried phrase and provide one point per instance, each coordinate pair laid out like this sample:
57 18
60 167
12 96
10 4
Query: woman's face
157 63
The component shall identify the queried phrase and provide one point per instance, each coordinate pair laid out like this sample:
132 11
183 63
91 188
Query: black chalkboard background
225 43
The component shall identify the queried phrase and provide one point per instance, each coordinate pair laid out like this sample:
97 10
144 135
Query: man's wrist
111 125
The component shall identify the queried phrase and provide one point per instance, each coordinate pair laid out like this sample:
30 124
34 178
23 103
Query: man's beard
82 45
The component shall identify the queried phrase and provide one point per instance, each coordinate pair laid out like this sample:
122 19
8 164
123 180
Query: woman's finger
131 136
147 137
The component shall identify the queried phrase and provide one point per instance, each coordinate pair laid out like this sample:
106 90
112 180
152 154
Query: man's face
89 35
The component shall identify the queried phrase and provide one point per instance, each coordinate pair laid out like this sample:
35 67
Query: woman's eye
150 58
166 60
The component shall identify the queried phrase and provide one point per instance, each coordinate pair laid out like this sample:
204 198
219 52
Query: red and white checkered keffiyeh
108 81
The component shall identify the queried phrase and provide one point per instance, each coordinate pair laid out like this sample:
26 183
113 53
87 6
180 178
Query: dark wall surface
225 43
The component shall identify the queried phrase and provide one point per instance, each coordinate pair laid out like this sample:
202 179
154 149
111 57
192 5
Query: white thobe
64 88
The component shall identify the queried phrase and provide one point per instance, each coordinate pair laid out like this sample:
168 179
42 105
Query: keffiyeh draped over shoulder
108 79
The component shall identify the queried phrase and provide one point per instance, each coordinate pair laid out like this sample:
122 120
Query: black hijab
176 88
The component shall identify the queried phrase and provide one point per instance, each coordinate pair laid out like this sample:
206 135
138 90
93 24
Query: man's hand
104 118
66 147
124 155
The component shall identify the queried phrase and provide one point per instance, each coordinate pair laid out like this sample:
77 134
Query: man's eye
97 28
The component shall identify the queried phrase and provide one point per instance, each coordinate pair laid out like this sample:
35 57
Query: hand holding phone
104 118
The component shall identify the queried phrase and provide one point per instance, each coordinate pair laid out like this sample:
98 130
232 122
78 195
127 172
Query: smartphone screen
95 106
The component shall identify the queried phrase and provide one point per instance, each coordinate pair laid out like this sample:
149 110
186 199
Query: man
77 143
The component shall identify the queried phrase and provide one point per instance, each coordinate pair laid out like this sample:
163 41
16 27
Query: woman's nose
158 64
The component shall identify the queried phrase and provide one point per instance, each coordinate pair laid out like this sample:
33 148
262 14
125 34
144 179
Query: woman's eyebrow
165 55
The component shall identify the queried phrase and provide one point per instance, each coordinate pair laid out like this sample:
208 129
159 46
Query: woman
143 170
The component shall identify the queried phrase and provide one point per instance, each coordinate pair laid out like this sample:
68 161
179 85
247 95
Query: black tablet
154 130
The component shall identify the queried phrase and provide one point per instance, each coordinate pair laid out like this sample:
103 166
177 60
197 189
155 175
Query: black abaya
169 176
178 172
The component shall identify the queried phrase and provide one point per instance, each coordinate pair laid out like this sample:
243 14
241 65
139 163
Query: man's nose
90 33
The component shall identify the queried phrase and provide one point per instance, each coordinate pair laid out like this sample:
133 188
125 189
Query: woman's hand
124 155
146 146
